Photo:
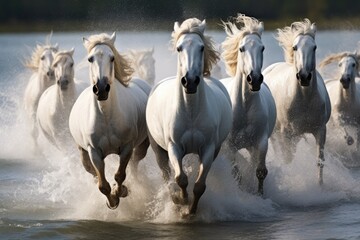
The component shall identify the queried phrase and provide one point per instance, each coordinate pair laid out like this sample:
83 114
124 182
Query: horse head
348 69
144 64
46 60
63 66
250 60
102 73
304 49
190 48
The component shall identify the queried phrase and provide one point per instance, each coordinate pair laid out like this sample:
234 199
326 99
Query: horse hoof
116 204
124 191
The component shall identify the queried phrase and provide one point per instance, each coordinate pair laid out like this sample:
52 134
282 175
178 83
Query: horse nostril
197 80
309 77
183 81
261 78
95 89
248 78
107 88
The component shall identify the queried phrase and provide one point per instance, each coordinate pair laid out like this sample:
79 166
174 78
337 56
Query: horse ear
261 27
313 27
202 26
85 41
72 50
56 46
113 38
176 26
152 50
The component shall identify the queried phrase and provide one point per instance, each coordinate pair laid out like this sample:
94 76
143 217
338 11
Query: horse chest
192 139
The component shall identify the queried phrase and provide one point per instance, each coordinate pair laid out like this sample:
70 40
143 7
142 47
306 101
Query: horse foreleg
104 187
125 155
175 156
288 144
207 157
320 137
85 159
258 155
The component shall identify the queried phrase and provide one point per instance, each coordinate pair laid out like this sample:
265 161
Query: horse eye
91 59
202 48
294 48
112 59
242 49
353 65
263 48
55 65
340 64
179 49
71 64
42 58
315 48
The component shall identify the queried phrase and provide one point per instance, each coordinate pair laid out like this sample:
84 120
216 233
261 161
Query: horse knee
120 178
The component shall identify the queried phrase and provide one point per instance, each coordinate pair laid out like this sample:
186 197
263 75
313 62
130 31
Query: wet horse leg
120 190
104 186
320 137
162 158
85 159
176 156
138 154
258 156
207 157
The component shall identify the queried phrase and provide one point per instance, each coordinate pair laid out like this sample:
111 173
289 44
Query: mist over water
54 186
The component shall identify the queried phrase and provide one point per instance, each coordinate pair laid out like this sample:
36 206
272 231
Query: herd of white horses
191 112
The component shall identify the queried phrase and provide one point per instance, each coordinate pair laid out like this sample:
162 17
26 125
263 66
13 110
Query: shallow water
52 196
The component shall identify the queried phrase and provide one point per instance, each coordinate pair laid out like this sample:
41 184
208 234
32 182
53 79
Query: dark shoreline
141 25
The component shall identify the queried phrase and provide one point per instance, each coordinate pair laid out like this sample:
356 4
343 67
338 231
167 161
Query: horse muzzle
345 81
101 89
190 84
63 83
255 81
304 78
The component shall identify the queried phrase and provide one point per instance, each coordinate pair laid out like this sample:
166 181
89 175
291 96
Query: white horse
144 64
344 94
189 113
109 116
56 102
42 78
254 111
302 102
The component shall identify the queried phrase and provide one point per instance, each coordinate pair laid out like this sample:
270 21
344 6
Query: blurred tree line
144 11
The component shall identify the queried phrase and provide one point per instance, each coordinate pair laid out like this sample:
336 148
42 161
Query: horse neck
240 91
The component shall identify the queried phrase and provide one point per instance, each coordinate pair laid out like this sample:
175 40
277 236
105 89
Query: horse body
40 80
109 117
302 102
254 112
56 102
344 94
188 113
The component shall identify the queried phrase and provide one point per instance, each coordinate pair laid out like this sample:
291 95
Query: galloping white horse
302 102
56 102
144 64
344 94
189 113
254 112
109 116
42 78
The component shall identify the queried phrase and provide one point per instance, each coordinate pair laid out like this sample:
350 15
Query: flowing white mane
59 55
336 57
191 25
287 35
122 67
230 46
34 61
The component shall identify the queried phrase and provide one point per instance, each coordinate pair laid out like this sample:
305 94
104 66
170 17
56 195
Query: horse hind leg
138 154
